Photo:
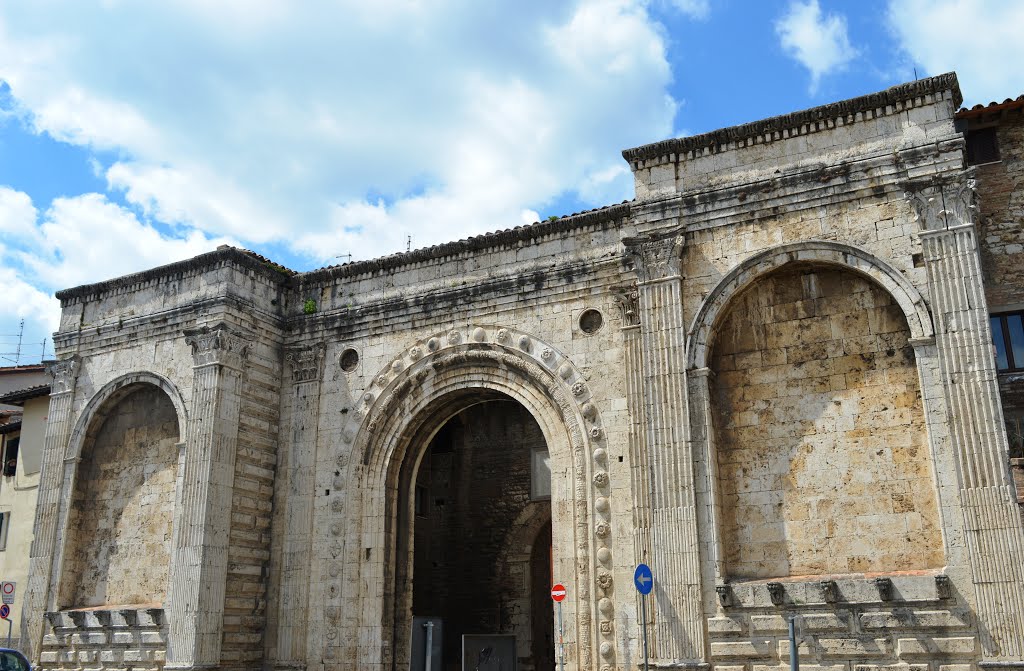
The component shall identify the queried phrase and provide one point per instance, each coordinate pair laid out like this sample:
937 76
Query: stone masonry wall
1001 220
823 460
123 507
245 601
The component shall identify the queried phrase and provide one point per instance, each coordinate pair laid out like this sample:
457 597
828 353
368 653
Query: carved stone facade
769 376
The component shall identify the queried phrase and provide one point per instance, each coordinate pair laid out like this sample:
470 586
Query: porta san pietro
782 376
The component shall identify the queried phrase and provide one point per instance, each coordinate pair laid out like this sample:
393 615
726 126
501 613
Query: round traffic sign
558 592
5 610
643 579
7 587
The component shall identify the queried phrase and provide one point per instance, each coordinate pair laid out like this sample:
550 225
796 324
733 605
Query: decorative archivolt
525 368
107 397
824 252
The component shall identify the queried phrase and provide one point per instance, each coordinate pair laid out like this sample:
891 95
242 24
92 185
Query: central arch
409 402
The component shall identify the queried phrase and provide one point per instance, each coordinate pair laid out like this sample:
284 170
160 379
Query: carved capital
943 203
655 257
64 374
307 363
217 345
628 300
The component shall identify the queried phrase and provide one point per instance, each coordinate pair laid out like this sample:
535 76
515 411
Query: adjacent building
24 401
771 377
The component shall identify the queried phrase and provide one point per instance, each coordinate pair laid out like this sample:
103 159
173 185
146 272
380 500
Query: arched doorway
368 555
478 563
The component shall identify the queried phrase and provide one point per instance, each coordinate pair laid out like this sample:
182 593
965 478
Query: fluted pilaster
40 594
628 299
196 603
675 561
964 350
298 470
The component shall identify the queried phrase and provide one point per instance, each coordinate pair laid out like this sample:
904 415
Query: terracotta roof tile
19 396
978 110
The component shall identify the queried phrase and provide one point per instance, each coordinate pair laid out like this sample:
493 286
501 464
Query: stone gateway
770 377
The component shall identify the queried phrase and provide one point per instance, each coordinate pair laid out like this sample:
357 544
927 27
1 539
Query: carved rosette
656 257
217 345
64 374
544 367
306 363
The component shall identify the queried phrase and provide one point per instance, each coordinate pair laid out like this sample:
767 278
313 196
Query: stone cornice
897 98
281 275
165 323
496 240
190 267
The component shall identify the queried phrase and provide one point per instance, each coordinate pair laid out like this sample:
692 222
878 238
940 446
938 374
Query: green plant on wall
309 307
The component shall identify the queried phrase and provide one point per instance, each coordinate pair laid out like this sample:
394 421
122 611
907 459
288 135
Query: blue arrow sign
643 579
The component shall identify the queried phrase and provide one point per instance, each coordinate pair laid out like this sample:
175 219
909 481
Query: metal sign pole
643 625
794 653
643 580
10 626
429 626
561 640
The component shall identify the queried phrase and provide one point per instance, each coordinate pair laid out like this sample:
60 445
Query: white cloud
76 241
697 9
336 127
980 39
818 42
16 211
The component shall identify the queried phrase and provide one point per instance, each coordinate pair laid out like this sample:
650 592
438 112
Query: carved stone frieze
217 345
306 363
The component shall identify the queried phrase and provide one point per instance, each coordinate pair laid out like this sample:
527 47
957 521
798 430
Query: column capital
656 257
217 344
628 300
943 202
64 374
306 362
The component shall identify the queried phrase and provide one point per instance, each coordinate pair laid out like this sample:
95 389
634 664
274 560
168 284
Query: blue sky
136 134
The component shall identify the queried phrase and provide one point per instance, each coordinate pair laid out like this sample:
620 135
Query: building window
982 146
1008 338
1015 435
5 521
11 457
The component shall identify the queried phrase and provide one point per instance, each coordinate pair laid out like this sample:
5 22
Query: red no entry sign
558 592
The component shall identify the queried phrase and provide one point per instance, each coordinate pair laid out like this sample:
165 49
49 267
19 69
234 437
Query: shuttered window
982 146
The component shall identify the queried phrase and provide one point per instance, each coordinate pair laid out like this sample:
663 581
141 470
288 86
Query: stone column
992 525
675 561
39 596
195 609
297 469
628 299
702 447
